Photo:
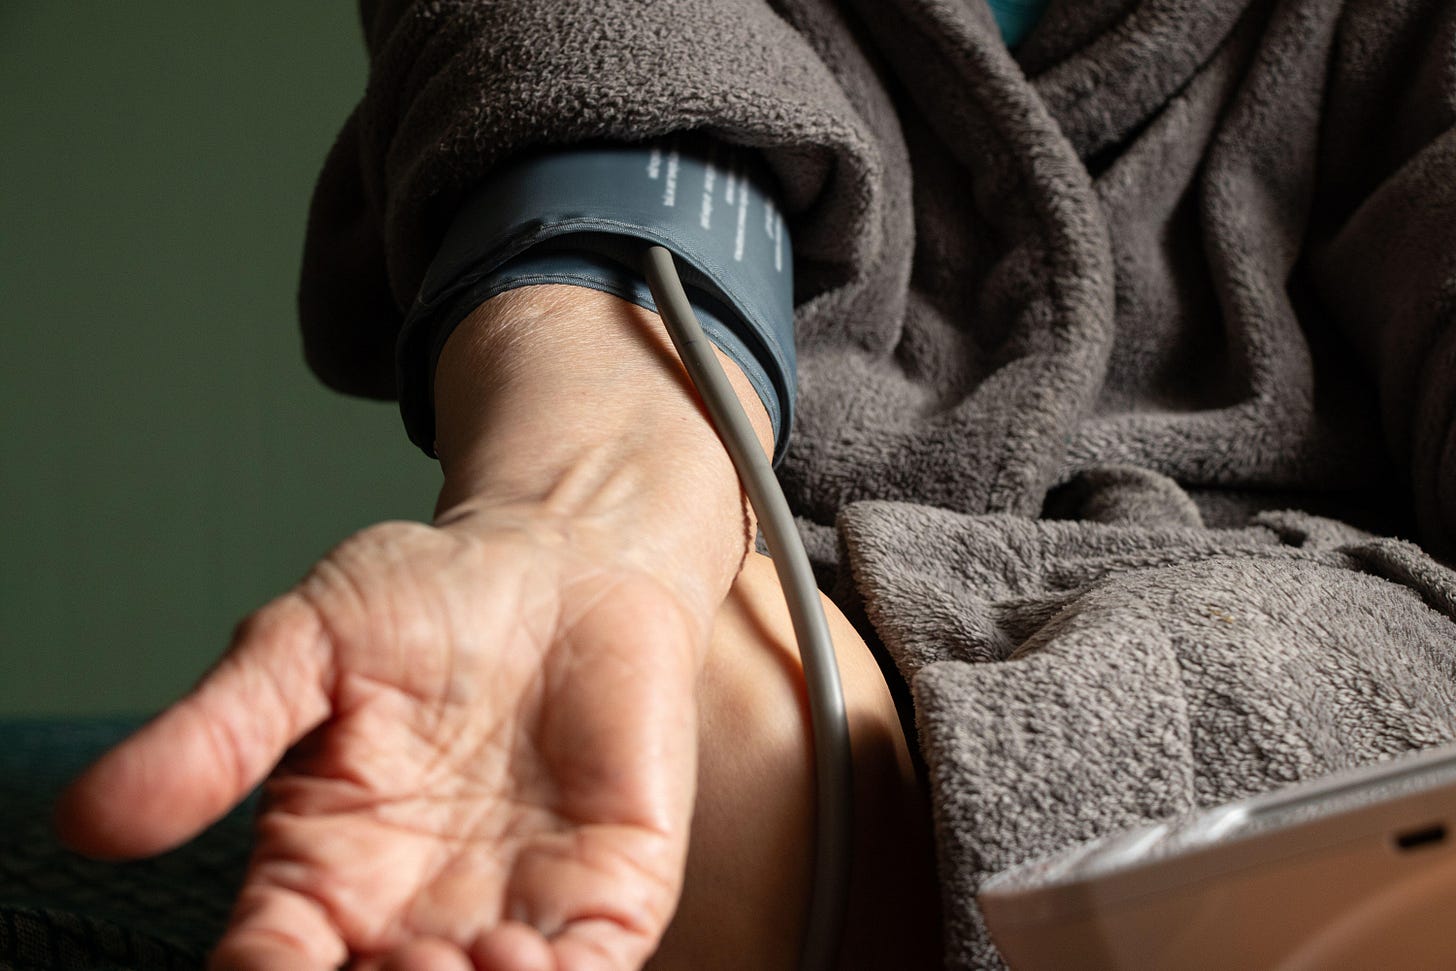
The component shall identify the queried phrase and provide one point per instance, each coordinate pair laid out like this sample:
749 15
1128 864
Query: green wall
169 463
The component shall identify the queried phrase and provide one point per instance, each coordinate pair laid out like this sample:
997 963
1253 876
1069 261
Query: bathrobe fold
1118 355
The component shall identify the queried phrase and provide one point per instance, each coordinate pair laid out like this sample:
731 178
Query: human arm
585 216
457 93
573 570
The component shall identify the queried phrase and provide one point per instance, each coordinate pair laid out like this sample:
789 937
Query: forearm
750 863
573 402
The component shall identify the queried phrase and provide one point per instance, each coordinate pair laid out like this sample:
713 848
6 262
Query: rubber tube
833 763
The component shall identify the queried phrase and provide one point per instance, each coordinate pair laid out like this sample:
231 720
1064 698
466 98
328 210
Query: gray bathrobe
1126 359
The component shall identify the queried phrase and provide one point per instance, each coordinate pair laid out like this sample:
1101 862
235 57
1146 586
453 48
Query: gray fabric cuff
585 217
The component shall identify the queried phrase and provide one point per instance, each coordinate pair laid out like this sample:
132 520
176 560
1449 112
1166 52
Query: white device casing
1357 870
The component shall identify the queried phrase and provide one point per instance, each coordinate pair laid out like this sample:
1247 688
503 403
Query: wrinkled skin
489 722
496 725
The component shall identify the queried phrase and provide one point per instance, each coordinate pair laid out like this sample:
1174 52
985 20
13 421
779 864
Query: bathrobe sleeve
457 90
1384 264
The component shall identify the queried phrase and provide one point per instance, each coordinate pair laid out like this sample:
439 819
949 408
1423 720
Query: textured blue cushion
62 911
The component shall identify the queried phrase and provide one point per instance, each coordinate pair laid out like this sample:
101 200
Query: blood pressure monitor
1357 870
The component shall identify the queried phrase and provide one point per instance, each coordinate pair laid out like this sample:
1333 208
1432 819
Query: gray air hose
833 776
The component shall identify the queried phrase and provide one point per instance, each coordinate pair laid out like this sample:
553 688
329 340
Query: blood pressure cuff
586 216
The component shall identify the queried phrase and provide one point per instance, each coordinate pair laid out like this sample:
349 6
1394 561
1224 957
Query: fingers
599 945
512 946
508 947
422 954
585 945
275 929
195 761
584 911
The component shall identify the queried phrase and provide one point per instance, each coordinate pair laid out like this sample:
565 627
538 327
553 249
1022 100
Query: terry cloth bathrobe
1127 362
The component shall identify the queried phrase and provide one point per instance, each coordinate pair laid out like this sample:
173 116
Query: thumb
187 767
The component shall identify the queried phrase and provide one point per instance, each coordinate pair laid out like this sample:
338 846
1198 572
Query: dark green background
169 463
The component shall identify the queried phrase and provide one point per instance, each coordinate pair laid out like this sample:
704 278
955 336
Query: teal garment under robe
1017 17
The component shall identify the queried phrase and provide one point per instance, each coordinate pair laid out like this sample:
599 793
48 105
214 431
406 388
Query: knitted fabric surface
61 911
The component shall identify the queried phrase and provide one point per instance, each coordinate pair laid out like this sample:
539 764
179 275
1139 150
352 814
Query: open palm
490 738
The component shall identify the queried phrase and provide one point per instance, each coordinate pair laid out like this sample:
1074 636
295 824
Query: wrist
574 402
